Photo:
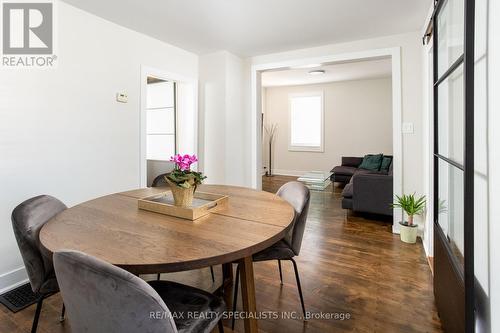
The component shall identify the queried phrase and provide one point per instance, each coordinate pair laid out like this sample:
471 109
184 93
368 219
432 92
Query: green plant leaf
185 179
411 205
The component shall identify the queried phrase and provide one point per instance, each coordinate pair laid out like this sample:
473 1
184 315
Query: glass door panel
451 207
451 34
453 47
451 116
161 121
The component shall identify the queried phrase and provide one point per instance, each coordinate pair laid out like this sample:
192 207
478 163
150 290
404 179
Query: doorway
161 126
393 53
314 116
168 121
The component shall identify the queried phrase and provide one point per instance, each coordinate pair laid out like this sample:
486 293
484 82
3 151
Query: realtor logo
28 34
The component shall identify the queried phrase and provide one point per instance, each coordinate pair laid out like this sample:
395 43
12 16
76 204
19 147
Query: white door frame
169 76
428 121
397 139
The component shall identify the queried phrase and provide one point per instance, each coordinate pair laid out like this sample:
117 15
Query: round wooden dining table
114 229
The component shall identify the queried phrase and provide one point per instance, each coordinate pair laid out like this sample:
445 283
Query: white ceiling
358 70
254 27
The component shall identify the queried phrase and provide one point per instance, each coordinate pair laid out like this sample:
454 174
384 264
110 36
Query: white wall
493 97
487 160
482 174
427 144
236 166
62 132
357 121
212 126
187 117
222 119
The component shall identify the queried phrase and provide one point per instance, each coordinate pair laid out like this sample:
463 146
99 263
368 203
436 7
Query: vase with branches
270 132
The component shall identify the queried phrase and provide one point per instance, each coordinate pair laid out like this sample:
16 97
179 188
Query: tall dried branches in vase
270 132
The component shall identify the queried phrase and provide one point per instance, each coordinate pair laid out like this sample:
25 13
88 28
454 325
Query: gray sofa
366 191
343 173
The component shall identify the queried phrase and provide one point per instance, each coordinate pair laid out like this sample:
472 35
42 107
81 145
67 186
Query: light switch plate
122 97
407 128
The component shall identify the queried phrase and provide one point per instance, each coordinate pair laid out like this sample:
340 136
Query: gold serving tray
203 204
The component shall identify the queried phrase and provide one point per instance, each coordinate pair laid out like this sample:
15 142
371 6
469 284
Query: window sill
306 149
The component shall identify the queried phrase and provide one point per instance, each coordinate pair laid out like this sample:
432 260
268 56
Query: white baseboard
13 279
426 250
282 172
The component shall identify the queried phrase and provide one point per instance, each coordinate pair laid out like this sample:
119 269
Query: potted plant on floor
182 180
411 206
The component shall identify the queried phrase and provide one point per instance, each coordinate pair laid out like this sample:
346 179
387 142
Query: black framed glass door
453 55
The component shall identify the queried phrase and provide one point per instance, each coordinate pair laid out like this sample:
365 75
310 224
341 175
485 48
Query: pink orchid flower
183 162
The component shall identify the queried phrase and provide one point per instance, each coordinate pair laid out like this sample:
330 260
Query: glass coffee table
316 180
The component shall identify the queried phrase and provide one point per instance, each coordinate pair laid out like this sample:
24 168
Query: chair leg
235 296
298 285
221 327
212 272
281 275
37 314
63 311
158 276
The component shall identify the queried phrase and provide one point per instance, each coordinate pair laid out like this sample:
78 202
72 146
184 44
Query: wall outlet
122 97
407 128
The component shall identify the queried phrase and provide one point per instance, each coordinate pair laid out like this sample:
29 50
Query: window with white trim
306 122
160 120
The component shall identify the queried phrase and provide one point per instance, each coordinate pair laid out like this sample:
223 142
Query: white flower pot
408 234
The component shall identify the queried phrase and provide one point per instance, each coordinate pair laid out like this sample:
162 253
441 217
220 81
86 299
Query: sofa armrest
351 161
373 193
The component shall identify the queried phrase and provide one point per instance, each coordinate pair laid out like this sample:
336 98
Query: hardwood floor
349 265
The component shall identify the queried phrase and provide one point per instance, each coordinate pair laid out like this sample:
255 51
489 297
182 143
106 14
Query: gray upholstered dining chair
101 297
298 196
159 181
28 219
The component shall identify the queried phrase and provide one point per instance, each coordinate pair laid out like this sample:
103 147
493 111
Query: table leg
248 294
227 284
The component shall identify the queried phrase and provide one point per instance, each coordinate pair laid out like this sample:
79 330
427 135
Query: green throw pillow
371 162
386 163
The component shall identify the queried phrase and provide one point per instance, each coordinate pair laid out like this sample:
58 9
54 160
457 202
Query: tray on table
203 203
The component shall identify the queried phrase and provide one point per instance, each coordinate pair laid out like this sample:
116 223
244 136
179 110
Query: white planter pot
408 234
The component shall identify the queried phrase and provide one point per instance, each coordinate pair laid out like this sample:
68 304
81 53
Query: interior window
160 120
306 122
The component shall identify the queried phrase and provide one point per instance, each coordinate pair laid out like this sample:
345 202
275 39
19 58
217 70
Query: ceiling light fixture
317 72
